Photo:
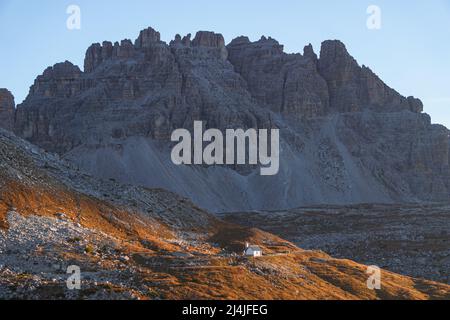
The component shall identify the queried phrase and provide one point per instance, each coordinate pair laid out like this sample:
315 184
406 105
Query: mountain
138 243
346 137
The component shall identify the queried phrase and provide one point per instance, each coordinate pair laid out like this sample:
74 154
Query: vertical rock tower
7 109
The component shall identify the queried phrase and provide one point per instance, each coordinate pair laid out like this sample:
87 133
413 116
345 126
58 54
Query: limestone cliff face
7 109
287 84
353 88
146 89
346 136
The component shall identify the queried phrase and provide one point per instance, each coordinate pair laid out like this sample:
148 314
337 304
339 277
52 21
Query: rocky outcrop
353 88
147 38
59 81
208 39
346 136
97 54
147 89
277 80
7 109
308 53
211 40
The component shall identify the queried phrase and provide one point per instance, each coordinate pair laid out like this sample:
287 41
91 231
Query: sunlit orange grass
87 211
284 272
308 279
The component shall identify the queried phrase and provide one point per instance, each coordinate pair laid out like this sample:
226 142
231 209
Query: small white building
252 251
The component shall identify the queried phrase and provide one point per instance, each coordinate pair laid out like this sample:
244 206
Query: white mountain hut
252 251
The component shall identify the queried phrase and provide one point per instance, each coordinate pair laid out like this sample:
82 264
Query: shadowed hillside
139 243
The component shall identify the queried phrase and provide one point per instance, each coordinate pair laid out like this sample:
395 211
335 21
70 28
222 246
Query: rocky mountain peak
147 38
7 109
208 39
353 88
334 51
278 80
98 53
177 40
214 43
239 40
58 81
186 40
347 136
308 52
265 46
62 70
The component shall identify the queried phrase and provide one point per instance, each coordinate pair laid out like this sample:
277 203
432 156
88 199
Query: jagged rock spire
7 108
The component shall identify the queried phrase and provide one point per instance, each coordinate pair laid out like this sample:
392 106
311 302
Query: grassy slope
178 251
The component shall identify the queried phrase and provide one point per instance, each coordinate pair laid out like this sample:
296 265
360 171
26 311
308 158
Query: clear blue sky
411 52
